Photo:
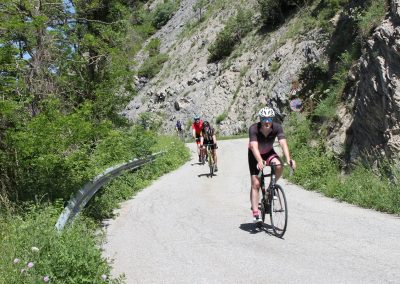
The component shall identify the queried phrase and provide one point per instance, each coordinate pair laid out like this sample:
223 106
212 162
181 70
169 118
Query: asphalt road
189 228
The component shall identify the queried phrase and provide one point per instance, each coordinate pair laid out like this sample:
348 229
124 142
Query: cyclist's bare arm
256 153
214 139
286 153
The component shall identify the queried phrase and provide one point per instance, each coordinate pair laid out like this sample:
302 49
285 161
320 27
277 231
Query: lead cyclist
261 152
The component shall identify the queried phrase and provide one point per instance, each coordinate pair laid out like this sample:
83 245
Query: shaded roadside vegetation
320 86
65 74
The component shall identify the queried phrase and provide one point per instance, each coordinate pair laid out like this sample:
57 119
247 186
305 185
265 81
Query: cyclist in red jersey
197 126
261 141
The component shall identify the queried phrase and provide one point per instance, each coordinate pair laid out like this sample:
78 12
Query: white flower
46 279
16 260
30 264
104 277
35 249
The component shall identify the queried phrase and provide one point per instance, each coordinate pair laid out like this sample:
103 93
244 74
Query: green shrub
70 257
150 121
271 11
125 186
317 169
275 65
153 47
163 12
221 117
372 17
152 65
235 29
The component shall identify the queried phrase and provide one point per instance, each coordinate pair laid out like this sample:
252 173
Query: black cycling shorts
266 157
213 147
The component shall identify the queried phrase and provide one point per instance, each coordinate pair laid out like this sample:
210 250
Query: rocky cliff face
264 69
369 119
261 70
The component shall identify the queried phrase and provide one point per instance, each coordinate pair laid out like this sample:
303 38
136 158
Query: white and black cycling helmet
266 112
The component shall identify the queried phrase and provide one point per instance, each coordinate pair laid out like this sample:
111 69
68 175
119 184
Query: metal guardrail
83 196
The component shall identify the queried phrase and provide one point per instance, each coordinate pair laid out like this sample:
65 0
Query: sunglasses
266 119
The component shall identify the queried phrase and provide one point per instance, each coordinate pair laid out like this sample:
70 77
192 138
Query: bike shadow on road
254 229
197 163
207 175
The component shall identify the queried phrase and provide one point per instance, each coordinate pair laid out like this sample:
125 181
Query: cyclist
261 139
197 125
207 136
178 127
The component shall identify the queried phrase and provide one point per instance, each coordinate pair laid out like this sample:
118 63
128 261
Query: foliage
163 12
273 11
199 7
32 249
319 170
372 16
125 186
275 64
235 29
221 117
153 47
152 65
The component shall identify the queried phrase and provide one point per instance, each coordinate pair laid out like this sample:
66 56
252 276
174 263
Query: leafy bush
152 65
221 117
163 13
235 29
273 11
275 65
34 252
125 186
319 170
153 47
372 17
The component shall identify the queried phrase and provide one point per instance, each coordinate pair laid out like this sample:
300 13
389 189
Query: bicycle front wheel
279 211
211 164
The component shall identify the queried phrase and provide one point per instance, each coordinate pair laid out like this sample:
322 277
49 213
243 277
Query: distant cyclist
178 128
197 126
261 141
207 136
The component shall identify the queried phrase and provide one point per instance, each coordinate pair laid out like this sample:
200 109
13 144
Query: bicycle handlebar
273 166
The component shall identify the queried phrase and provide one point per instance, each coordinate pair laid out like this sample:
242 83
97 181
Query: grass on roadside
318 170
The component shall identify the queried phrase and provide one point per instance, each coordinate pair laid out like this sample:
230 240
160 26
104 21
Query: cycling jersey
208 135
197 127
265 142
179 126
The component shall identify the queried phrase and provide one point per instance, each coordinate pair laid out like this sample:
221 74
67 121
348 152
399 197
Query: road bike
210 158
273 201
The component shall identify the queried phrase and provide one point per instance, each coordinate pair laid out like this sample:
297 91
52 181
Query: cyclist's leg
273 158
254 193
214 153
255 184
197 141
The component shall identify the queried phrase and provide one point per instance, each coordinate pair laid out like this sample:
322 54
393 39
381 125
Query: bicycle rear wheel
279 212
